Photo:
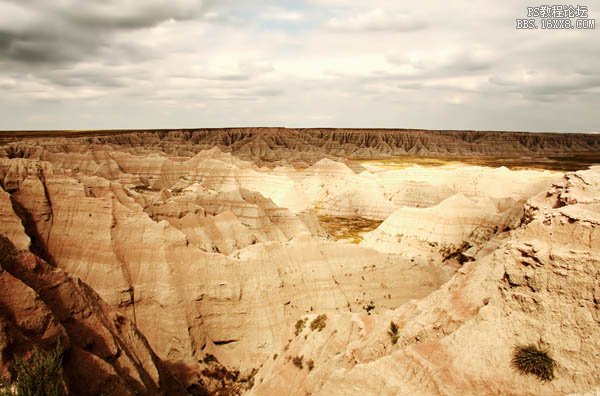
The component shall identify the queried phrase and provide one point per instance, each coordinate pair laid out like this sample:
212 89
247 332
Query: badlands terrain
272 261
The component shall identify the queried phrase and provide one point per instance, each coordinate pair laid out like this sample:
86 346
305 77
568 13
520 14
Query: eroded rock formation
214 257
538 285
295 145
104 352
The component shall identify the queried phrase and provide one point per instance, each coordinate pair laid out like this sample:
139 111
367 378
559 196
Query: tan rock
215 258
537 287
104 350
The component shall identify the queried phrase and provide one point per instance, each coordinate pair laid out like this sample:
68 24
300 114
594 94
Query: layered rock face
202 271
104 351
294 145
538 285
215 257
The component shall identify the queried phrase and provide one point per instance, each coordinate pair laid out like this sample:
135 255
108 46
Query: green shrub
319 322
38 376
310 364
393 333
529 359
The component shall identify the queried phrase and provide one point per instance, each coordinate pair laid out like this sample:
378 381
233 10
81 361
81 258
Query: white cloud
377 20
280 14
14 17
360 63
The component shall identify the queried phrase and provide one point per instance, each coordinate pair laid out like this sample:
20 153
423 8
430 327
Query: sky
433 64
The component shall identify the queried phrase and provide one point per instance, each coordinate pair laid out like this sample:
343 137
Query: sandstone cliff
105 353
309 145
214 257
536 285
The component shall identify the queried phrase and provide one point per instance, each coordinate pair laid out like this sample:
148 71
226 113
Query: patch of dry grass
297 360
348 228
319 322
553 163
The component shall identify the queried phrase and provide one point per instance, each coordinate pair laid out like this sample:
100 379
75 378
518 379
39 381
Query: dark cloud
58 32
52 46
72 79
548 86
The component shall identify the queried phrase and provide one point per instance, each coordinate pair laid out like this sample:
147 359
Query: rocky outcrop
537 285
11 223
309 145
215 257
104 351
207 272
454 223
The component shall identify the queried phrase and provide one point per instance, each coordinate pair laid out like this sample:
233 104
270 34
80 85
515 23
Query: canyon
269 261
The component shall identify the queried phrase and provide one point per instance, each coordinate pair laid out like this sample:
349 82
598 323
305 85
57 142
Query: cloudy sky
437 64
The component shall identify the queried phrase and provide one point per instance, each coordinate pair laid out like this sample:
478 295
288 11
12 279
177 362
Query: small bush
319 322
210 358
297 360
529 359
393 333
369 307
300 325
310 364
452 252
221 373
38 376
